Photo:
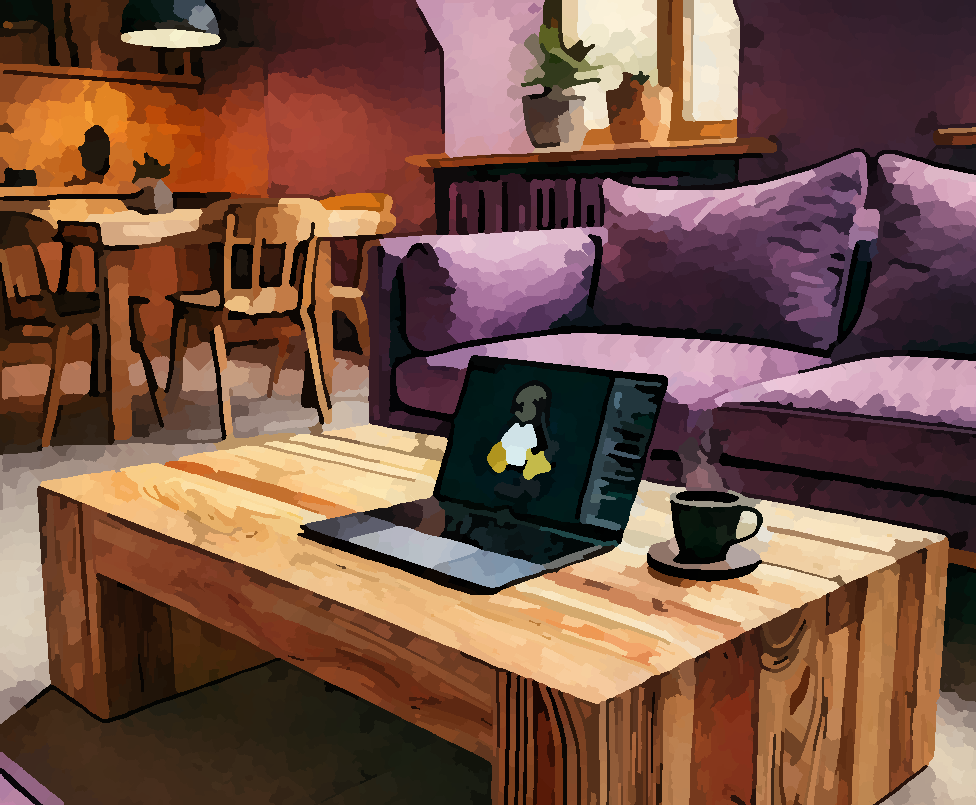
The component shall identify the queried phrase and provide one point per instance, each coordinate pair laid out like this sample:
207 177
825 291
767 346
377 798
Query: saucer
739 562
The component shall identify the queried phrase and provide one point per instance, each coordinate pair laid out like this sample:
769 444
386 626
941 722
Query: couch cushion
904 420
766 261
461 288
922 294
933 390
697 372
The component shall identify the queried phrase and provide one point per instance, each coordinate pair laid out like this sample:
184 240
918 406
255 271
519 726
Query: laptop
541 471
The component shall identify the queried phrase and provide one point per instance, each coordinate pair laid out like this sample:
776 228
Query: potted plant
548 119
156 196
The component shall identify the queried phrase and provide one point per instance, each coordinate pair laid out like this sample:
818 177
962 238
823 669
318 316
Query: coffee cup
706 522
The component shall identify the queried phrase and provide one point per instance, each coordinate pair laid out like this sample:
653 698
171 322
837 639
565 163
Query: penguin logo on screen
522 447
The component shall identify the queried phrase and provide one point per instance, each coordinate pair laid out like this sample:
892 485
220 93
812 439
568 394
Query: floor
276 734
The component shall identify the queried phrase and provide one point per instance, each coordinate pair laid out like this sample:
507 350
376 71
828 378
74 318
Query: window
691 46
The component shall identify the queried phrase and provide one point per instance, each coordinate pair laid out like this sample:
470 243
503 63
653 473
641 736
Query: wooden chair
266 295
363 216
349 298
35 314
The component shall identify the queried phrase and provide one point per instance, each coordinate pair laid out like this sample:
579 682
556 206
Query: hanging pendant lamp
178 24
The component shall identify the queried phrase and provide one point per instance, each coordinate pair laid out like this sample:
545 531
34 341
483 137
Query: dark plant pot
549 118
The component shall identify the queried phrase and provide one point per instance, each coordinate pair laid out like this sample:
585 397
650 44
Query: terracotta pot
554 119
638 113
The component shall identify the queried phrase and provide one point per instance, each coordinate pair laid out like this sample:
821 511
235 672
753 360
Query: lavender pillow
922 294
461 288
767 261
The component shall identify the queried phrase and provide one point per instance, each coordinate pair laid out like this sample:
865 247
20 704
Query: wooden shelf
702 148
90 74
959 135
82 191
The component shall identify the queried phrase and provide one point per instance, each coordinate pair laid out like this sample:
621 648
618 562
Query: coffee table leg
831 704
554 747
111 648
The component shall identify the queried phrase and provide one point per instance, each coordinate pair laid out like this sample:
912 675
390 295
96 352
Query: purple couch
739 296
889 429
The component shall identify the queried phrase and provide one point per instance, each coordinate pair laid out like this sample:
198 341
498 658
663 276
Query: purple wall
834 75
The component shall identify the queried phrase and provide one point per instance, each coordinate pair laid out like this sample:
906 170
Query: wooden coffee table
813 680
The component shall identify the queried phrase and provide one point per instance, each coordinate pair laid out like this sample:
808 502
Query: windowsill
955 136
742 146
91 74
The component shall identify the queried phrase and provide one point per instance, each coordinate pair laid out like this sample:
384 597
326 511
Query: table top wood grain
595 629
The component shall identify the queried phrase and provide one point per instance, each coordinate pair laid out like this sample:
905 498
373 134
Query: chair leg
179 333
219 346
319 374
52 401
154 390
179 338
285 349
362 328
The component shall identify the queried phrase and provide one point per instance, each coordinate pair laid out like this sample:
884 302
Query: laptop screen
556 445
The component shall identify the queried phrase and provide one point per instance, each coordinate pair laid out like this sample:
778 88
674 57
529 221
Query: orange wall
46 120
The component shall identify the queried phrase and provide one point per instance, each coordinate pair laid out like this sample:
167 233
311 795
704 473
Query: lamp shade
178 24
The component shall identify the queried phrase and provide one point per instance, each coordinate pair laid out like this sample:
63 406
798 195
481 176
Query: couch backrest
462 288
767 261
921 297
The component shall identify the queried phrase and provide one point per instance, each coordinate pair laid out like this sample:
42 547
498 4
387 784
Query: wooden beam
121 76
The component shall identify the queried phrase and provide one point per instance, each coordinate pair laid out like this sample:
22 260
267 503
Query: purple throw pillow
766 261
922 293
461 288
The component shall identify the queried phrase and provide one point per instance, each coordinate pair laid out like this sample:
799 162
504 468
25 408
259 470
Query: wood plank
307 482
549 746
262 487
676 725
66 599
345 460
651 518
791 707
441 690
929 670
726 690
383 456
904 694
876 665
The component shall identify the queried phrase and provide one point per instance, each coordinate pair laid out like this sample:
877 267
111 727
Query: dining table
124 231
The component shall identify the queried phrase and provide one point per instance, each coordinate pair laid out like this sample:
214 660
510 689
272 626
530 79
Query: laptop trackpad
413 550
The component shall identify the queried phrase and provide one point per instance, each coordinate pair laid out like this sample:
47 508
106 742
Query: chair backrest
266 246
374 202
31 266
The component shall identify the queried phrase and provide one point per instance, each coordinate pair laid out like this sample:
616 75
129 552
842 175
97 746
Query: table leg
831 704
111 648
120 353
